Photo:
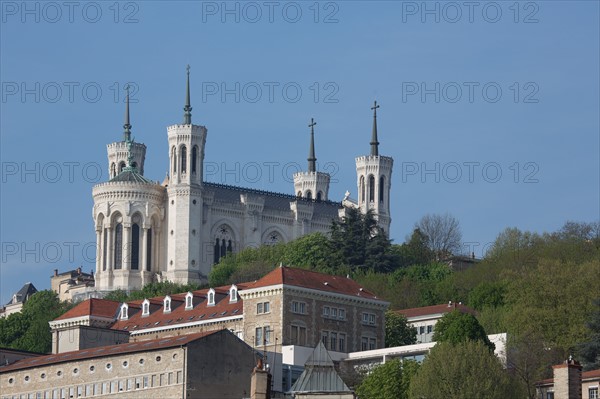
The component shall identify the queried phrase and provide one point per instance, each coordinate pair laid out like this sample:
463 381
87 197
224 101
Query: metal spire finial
311 152
127 125
187 115
374 143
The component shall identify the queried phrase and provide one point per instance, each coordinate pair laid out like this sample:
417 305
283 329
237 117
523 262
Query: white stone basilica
179 229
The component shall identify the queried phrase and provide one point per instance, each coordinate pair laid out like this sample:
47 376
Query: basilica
179 229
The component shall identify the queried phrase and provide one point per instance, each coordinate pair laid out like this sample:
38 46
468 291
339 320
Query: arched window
194 158
273 238
124 311
174 159
362 189
149 250
135 247
299 194
233 294
118 246
371 188
183 159
223 243
145 307
121 166
189 301
211 297
308 195
167 304
381 186
319 196
113 170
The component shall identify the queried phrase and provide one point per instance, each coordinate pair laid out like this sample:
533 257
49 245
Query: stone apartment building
18 300
202 365
288 310
71 284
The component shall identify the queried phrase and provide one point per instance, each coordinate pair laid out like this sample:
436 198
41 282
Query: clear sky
489 109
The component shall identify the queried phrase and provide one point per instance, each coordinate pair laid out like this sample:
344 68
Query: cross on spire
374 143
187 115
127 125
311 152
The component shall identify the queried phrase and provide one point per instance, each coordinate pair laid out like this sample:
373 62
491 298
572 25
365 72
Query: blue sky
490 111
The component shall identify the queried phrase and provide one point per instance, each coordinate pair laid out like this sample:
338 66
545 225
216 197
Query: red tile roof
313 280
93 307
201 311
110 350
435 309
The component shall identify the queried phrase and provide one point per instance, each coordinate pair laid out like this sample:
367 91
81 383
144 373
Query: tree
589 351
443 234
388 380
358 242
414 251
464 370
457 327
397 330
29 330
152 290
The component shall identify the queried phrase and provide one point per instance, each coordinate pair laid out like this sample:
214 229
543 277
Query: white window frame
124 312
211 297
233 294
263 307
167 304
146 308
299 307
189 301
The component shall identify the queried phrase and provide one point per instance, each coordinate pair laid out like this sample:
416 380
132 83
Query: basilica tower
184 202
374 180
312 184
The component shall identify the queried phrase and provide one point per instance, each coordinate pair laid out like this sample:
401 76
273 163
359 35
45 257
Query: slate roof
435 309
313 280
110 350
23 294
226 193
93 307
319 374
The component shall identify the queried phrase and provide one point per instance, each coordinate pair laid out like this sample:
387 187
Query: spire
127 125
311 152
374 143
187 115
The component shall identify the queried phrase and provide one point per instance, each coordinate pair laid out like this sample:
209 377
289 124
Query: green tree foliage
29 330
360 244
415 251
464 370
397 330
457 327
487 294
389 380
152 290
589 350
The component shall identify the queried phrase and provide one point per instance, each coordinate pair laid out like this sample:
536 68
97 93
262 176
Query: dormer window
146 307
189 301
233 294
211 297
167 304
124 312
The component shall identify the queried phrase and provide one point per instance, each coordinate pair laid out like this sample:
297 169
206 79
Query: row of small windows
76 371
183 159
106 387
368 193
330 312
189 302
368 319
334 340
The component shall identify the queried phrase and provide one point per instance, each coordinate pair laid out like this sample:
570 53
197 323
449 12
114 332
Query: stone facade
147 231
162 369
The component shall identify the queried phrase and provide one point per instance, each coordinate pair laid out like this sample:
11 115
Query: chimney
567 380
55 272
260 383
